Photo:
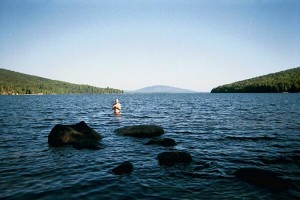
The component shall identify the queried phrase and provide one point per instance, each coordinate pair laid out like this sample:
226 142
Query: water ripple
222 132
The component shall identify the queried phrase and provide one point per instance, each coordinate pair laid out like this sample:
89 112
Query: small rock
124 168
165 142
171 158
262 178
141 131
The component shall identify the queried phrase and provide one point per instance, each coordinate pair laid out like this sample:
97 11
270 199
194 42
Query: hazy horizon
195 45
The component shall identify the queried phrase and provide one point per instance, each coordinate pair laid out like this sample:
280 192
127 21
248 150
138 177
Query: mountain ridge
162 89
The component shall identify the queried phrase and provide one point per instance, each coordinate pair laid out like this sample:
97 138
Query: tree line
18 83
284 81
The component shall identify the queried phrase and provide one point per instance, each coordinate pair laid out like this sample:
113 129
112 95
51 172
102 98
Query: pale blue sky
130 44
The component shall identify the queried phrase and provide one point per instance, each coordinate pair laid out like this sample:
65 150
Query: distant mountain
162 89
284 81
18 83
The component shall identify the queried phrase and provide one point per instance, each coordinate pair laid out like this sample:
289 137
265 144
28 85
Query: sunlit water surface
222 132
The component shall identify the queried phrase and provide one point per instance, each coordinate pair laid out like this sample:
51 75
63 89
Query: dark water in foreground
222 132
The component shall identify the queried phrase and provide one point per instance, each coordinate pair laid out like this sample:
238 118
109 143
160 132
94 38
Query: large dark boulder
141 131
261 177
165 142
124 168
79 135
172 158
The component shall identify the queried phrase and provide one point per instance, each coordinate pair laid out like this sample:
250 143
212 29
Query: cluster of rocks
81 136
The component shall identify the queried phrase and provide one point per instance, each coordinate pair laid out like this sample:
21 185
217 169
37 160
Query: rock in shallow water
201 166
279 160
262 178
172 158
79 135
141 131
166 142
124 168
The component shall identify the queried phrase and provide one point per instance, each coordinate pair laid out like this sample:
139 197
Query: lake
222 132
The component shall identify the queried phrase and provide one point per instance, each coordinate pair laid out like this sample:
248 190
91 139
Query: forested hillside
17 83
284 81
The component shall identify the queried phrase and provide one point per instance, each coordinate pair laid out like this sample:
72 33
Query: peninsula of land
15 83
284 81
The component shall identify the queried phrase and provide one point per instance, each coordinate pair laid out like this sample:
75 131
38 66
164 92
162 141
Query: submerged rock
124 168
79 135
86 144
141 131
279 160
262 178
172 158
166 142
296 159
202 166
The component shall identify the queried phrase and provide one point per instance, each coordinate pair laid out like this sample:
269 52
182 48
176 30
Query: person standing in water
116 107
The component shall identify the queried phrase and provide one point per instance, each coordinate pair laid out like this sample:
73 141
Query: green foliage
284 81
18 83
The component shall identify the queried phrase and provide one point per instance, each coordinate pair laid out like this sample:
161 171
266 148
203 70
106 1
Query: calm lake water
222 132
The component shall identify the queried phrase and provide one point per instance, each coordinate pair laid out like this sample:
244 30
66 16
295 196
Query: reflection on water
222 132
